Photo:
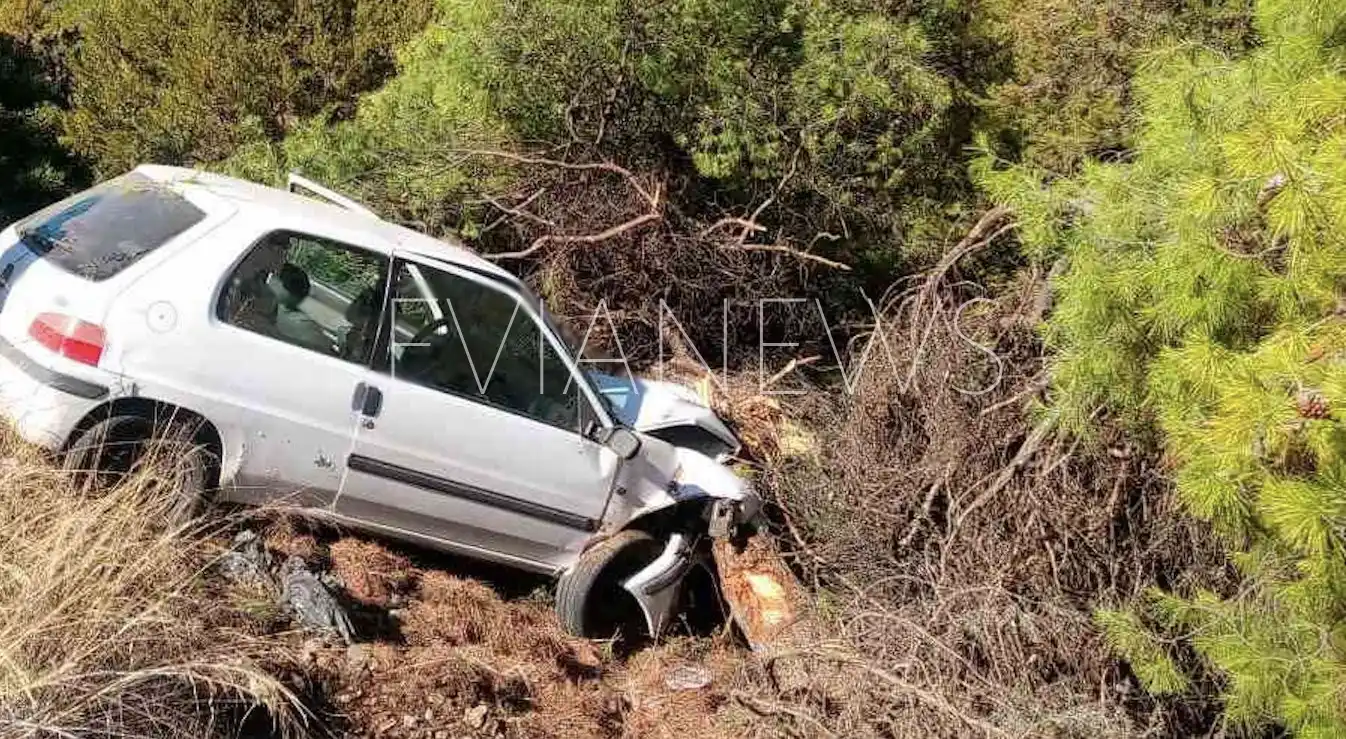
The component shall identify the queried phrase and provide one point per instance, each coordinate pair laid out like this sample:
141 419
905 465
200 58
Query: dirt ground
445 650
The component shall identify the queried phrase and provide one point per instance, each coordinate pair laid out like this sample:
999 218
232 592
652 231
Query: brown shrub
961 544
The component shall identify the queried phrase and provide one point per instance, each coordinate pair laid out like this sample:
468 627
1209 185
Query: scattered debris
312 603
687 677
247 562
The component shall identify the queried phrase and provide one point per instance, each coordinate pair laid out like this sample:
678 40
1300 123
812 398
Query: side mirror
622 441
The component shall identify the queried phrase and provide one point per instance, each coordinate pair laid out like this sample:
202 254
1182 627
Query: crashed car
302 350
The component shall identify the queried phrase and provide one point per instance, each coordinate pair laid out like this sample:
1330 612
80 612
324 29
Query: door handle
367 399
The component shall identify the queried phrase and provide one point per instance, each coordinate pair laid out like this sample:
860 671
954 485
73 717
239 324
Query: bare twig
789 367
518 211
771 708
780 186
604 235
929 502
1038 384
653 198
731 221
792 252
605 166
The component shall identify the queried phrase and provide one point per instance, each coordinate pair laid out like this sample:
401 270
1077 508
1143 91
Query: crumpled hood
650 405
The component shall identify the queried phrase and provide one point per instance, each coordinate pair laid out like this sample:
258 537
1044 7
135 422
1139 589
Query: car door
471 433
263 335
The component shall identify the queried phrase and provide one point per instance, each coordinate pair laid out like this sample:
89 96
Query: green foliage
34 168
1204 295
839 106
1066 93
173 81
1142 649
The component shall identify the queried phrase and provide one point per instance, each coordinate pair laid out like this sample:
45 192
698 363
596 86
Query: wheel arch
675 516
155 411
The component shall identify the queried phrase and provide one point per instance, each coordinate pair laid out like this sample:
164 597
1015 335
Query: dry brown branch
519 211
740 222
653 199
542 241
792 252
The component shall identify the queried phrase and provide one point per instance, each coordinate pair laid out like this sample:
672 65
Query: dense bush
34 167
1066 91
1204 295
189 82
837 107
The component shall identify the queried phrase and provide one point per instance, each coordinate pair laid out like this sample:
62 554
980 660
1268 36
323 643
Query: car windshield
578 350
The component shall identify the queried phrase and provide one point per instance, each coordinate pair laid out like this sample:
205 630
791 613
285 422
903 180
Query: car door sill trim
378 468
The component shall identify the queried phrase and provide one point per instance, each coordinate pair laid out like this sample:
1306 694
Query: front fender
685 476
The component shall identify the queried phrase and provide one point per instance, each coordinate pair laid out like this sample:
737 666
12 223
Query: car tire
590 600
110 450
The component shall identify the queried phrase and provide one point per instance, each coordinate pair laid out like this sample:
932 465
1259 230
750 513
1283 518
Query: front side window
471 340
101 232
311 292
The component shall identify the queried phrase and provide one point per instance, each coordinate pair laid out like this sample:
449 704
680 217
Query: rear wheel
590 599
119 446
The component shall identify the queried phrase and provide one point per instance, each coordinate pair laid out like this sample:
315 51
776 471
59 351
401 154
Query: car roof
242 194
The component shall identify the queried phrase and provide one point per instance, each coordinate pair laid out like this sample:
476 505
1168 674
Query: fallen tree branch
542 241
791 251
653 199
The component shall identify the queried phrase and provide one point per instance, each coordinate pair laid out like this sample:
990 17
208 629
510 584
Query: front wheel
590 599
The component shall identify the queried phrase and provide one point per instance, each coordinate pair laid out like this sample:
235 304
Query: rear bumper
43 405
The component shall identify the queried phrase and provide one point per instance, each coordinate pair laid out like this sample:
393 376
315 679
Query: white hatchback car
364 373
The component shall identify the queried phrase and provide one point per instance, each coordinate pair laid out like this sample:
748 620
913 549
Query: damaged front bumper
656 587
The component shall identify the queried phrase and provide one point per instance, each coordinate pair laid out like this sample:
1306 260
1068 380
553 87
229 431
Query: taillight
70 337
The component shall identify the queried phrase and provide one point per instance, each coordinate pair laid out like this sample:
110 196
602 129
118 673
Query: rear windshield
101 232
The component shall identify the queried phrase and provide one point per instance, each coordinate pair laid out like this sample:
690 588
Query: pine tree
1206 295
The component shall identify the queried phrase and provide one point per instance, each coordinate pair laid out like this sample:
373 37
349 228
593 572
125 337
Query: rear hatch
61 268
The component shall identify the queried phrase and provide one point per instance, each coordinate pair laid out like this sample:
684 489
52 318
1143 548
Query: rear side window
102 231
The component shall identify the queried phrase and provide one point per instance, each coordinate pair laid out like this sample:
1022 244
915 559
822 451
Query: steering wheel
429 328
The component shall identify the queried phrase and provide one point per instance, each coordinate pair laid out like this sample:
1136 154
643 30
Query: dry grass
106 628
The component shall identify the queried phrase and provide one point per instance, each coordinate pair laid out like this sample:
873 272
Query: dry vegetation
961 541
114 624
107 627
